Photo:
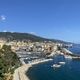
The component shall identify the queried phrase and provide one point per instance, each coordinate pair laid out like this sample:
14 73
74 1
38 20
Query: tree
8 61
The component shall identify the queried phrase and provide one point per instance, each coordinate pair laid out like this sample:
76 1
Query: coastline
20 73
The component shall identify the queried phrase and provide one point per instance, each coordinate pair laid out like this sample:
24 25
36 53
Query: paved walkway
20 73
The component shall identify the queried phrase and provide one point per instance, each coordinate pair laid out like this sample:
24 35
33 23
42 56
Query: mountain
25 36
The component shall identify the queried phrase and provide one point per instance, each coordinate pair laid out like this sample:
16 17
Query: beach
20 73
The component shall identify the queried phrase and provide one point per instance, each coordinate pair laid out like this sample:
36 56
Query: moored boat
62 63
56 65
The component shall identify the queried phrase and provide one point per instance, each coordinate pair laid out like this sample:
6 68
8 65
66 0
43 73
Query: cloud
8 31
2 18
5 31
32 33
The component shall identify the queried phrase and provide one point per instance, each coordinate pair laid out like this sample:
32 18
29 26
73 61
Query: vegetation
25 36
8 62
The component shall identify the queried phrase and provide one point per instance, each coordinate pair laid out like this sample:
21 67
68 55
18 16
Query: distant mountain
25 36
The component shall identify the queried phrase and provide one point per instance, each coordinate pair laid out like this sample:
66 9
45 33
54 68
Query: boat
67 57
56 65
62 63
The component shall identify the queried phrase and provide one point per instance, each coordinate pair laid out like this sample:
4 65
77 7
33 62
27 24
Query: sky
55 19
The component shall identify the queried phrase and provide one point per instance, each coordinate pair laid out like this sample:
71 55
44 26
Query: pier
69 54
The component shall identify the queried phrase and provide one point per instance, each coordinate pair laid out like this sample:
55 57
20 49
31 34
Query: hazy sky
59 19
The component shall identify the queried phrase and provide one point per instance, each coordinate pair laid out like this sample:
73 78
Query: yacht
56 65
62 63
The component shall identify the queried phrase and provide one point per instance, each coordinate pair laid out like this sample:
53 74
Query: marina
29 60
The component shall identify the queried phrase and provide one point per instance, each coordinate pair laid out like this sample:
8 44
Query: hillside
8 63
25 36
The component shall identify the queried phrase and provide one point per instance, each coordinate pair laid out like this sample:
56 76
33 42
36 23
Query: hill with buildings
25 36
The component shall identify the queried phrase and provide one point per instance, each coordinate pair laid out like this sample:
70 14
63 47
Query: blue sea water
69 71
75 49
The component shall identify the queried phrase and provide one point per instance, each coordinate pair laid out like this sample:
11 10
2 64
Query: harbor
28 60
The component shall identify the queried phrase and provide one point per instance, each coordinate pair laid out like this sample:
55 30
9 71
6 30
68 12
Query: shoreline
20 73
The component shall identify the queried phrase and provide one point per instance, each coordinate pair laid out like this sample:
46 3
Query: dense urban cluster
31 46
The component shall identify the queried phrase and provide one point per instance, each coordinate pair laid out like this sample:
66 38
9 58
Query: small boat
62 63
68 57
56 65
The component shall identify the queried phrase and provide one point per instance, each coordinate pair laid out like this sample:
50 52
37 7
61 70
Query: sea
69 71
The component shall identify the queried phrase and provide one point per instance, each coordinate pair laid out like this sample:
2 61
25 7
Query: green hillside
8 62
25 36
